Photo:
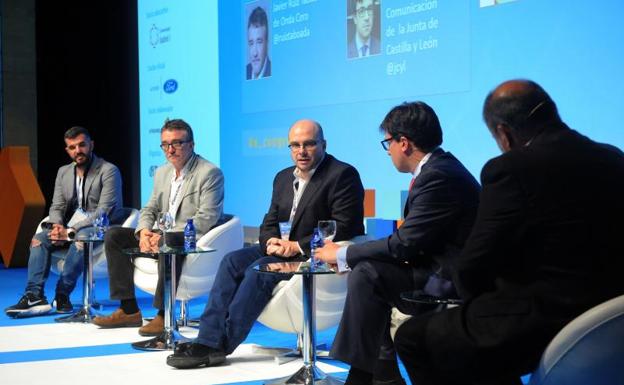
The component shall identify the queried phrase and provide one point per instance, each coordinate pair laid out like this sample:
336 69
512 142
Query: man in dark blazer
545 247
439 214
318 187
87 184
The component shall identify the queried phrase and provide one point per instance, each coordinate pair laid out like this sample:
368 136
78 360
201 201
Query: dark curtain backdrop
87 74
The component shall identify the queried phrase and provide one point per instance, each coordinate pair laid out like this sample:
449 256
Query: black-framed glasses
386 143
176 144
307 145
362 12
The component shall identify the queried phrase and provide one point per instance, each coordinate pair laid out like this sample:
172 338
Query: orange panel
369 203
21 204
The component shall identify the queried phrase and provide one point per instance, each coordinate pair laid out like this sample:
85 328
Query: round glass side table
170 336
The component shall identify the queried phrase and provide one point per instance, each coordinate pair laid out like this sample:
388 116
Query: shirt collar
311 173
359 43
422 162
261 73
184 170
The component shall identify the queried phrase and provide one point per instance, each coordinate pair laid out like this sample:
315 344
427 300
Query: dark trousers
374 288
121 268
238 296
436 351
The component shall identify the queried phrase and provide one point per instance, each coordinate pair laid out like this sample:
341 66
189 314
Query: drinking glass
327 229
95 217
165 223
285 230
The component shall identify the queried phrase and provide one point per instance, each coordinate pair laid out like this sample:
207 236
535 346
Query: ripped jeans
40 261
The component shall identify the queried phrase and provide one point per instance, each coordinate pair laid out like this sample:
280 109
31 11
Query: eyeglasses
176 144
307 145
364 11
386 143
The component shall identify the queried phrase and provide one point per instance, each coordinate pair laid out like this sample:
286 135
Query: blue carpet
12 283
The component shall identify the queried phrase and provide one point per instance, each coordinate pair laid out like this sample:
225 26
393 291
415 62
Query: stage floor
39 351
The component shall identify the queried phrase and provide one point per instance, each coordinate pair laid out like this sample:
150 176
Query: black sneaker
192 355
29 305
62 303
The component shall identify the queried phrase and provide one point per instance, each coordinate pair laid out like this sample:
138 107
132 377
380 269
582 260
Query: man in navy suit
259 65
546 246
439 214
363 43
317 187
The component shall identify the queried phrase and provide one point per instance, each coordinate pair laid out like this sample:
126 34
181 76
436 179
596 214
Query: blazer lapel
187 182
69 183
93 171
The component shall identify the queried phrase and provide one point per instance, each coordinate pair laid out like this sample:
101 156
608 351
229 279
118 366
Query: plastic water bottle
189 235
102 225
315 242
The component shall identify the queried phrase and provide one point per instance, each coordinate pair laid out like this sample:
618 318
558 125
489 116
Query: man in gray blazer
87 184
188 186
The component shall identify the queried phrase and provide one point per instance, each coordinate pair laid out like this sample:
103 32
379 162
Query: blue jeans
40 261
237 298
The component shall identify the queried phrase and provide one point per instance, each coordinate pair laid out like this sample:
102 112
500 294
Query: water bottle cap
190 220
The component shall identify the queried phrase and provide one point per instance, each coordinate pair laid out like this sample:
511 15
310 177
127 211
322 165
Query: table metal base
165 341
285 355
308 375
83 315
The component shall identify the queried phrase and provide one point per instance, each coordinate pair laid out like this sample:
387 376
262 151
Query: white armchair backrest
284 312
588 350
100 267
199 270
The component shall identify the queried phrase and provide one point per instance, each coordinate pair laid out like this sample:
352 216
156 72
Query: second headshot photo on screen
363 29
257 40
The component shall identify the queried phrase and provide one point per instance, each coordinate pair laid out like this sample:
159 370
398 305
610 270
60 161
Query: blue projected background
449 54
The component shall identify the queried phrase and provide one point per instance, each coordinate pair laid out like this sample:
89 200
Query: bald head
307 145
307 124
521 107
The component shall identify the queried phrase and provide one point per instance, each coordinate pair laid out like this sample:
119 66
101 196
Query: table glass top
166 250
294 268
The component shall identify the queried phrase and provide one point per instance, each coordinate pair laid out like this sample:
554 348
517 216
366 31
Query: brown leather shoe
154 328
119 319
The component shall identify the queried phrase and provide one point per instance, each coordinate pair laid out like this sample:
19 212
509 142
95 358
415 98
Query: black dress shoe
182 347
193 355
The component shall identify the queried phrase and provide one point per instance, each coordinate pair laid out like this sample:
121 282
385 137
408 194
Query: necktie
411 184
364 50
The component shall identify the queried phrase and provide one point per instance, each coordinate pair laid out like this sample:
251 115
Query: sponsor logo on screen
159 35
170 86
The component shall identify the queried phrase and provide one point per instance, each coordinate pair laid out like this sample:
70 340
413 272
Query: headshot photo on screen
363 29
257 35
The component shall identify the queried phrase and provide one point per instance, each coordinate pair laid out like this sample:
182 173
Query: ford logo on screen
170 86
